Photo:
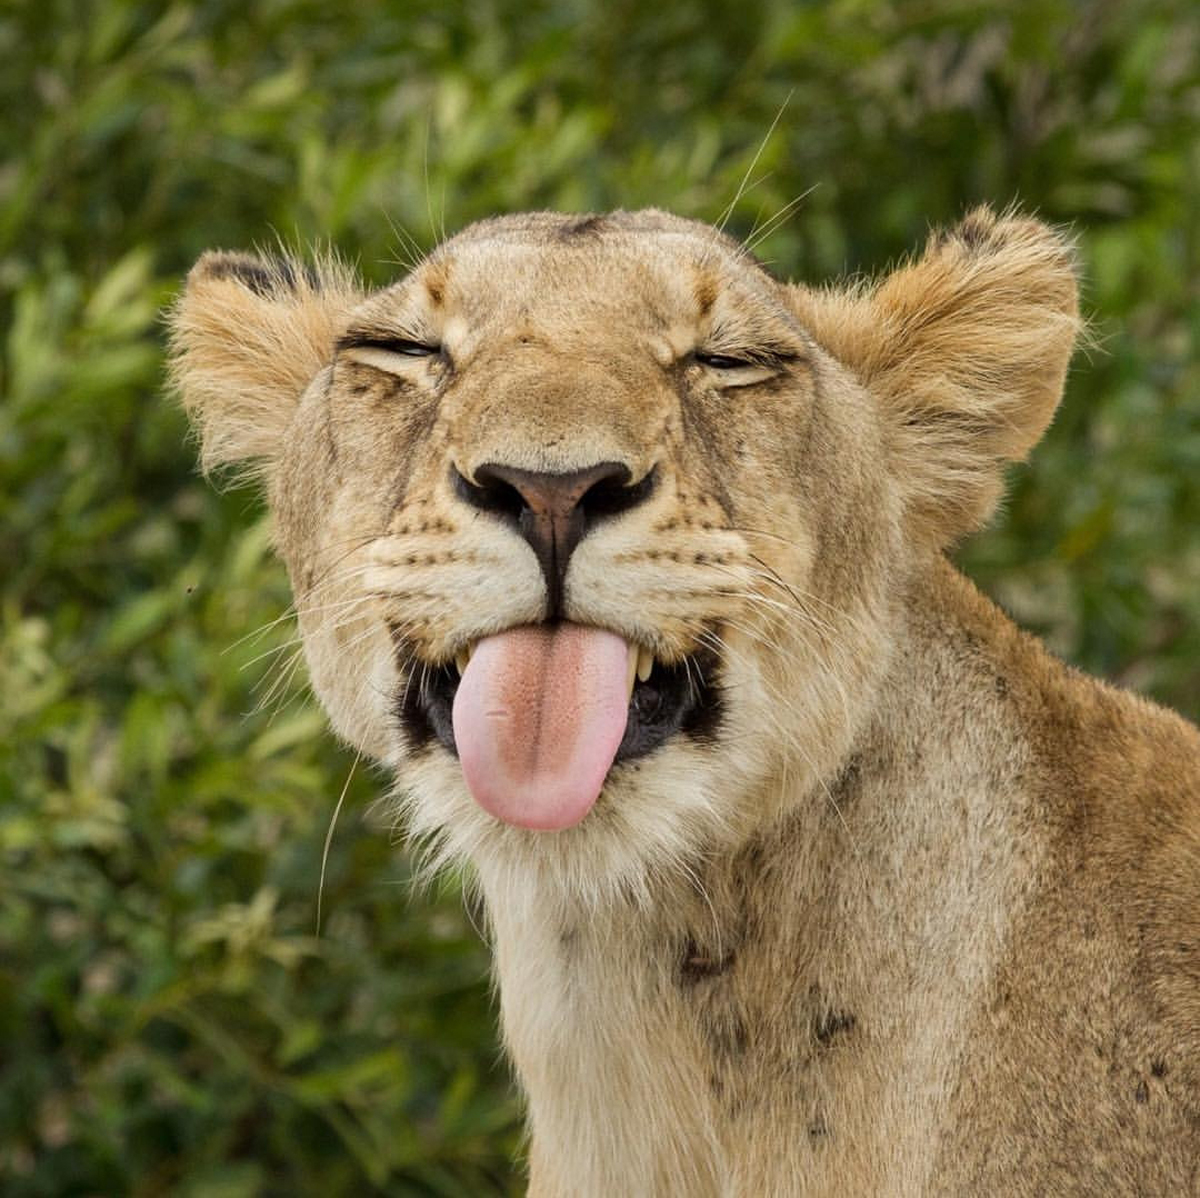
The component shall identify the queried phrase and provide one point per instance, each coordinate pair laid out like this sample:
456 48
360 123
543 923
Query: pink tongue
538 717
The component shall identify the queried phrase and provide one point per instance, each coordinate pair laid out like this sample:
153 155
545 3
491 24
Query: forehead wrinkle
671 281
745 316
547 286
434 278
401 309
704 292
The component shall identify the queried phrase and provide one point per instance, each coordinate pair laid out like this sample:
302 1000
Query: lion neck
859 921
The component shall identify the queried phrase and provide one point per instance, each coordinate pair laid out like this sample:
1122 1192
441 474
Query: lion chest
669 1063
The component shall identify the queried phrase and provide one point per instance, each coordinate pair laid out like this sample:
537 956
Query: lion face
596 530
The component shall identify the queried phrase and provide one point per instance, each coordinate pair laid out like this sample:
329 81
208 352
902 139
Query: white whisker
329 838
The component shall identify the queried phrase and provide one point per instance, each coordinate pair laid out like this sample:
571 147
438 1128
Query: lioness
807 872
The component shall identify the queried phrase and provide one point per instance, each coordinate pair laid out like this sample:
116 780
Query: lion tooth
462 657
645 663
631 665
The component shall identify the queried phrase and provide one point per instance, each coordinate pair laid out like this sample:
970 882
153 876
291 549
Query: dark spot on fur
246 271
831 1024
753 858
706 294
263 276
435 291
818 1129
726 1033
976 235
696 964
849 774
1158 1067
739 1037
591 224
1142 1093
972 233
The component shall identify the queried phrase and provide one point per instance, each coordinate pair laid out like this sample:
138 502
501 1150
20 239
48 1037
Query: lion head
598 532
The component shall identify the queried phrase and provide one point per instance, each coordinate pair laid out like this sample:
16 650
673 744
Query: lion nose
554 512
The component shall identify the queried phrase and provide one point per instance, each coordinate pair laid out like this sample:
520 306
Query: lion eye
393 345
723 362
409 349
390 354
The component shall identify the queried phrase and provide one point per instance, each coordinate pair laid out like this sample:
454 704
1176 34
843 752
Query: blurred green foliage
169 1020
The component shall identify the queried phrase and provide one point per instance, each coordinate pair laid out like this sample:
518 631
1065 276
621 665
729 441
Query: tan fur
241 390
921 916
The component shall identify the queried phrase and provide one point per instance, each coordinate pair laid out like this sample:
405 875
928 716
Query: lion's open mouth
536 712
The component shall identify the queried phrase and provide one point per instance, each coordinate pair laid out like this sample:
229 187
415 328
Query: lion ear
966 350
247 336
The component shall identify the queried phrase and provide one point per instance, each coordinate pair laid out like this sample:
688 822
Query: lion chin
807 872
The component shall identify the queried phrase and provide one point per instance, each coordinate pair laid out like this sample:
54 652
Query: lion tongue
538 717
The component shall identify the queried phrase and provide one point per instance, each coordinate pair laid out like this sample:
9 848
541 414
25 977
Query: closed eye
743 370
392 354
723 362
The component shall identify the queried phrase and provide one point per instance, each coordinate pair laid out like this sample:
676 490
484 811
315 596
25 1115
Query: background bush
169 1021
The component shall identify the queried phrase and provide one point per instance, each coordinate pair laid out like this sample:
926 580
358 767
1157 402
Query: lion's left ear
966 350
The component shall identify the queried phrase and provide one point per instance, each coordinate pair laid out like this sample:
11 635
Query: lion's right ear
247 336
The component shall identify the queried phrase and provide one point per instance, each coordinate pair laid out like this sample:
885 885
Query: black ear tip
978 233
983 233
265 276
